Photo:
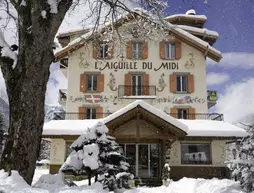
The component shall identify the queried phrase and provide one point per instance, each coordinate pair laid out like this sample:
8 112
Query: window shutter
173 112
145 84
162 49
192 114
100 82
129 50
190 83
178 49
172 83
127 85
95 50
99 113
83 79
82 113
144 49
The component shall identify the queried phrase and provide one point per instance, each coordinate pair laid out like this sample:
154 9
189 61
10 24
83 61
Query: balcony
202 116
133 91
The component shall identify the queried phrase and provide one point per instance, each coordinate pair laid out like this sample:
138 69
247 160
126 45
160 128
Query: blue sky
233 76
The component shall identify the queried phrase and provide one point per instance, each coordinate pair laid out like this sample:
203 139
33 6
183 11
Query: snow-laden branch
6 51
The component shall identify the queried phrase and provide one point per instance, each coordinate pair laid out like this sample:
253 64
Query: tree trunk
89 179
26 100
26 84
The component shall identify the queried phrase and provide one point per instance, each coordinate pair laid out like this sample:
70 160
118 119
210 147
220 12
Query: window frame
91 113
208 154
168 51
181 83
92 82
136 52
182 114
105 53
137 85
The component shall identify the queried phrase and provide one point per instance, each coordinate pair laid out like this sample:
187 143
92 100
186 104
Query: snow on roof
213 128
74 30
149 108
68 127
170 26
196 39
197 128
203 17
199 30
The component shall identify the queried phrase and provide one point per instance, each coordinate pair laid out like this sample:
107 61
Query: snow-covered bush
242 166
95 153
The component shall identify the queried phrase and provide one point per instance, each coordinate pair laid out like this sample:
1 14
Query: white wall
218 151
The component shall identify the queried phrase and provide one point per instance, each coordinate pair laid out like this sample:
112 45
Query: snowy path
15 184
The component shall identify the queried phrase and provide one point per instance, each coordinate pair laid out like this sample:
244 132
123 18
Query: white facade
82 61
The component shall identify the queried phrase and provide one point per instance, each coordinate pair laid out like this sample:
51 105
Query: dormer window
103 50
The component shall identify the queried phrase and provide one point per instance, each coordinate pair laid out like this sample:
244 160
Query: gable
176 31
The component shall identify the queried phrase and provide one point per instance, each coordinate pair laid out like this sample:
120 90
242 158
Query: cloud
243 60
213 78
237 101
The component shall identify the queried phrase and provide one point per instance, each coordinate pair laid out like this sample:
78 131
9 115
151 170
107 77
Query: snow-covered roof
149 108
212 52
68 127
194 128
73 31
212 128
194 17
199 30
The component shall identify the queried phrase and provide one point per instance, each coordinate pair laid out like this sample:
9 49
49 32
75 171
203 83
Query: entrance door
143 159
130 153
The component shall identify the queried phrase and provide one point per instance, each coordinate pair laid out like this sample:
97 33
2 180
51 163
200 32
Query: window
103 50
169 51
136 50
182 113
136 85
92 82
68 149
193 153
181 83
91 113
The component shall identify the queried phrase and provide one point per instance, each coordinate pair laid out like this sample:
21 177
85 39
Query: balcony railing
203 116
134 91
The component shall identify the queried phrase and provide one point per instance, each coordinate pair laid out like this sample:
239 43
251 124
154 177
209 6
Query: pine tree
243 166
95 153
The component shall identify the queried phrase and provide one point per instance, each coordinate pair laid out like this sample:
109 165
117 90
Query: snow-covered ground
15 183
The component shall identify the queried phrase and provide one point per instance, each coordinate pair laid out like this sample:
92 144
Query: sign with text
136 66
